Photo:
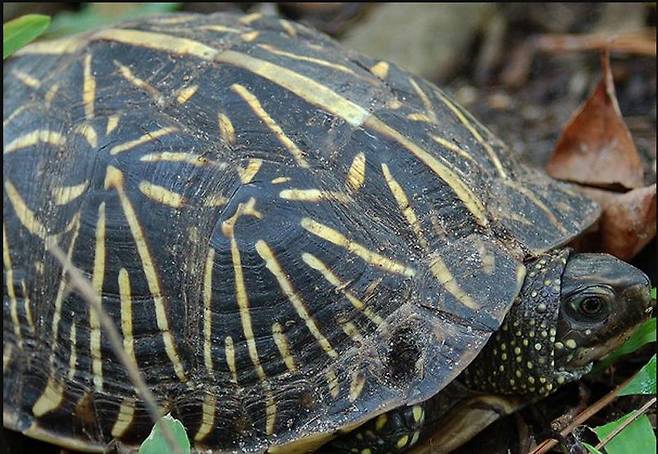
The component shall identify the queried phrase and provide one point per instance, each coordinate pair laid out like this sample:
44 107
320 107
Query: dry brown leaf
596 147
628 220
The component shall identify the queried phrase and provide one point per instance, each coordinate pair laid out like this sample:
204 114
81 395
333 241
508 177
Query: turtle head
572 310
602 300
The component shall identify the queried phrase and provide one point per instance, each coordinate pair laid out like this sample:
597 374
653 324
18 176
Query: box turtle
300 246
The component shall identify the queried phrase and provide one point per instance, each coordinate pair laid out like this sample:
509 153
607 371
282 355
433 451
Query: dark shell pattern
290 237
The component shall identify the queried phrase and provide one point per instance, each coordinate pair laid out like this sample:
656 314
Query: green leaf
96 15
645 334
644 382
637 438
20 31
653 293
156 443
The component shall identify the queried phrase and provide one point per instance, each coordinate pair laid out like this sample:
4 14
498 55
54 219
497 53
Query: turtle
302 248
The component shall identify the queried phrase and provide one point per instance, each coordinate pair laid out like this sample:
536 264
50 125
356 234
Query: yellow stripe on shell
60 46
380 69
26 78
97 279
125 296
332 382
26 307
35 137
24 214
73 357
88 88
207 417
146 138
207 311
112 123
304 87
284 349
229 351
314 195
9 276
272 264
219 28
341 287
463 120
461 190
446 279
50 399
59 297
124 418
356 175
161 194
64 195
114 179
453 147
89 133
403 202
226 129
248 173
317 61
260 112
186 93
357 382
337 238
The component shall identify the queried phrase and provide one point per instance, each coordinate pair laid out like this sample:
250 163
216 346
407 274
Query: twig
637 42
628 421
597 406
92 298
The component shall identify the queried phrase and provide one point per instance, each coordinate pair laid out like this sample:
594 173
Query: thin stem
590 411
628 421
93 299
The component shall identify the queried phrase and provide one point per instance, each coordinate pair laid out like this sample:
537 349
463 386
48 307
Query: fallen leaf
628 220
596 147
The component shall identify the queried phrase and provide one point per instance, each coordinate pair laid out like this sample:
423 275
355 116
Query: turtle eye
591 306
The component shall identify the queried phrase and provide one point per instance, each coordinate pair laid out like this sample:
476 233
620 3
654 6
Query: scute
310 244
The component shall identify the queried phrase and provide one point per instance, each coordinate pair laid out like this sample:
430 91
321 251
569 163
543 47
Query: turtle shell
291 237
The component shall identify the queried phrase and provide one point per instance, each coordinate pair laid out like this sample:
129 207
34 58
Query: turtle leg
392 432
